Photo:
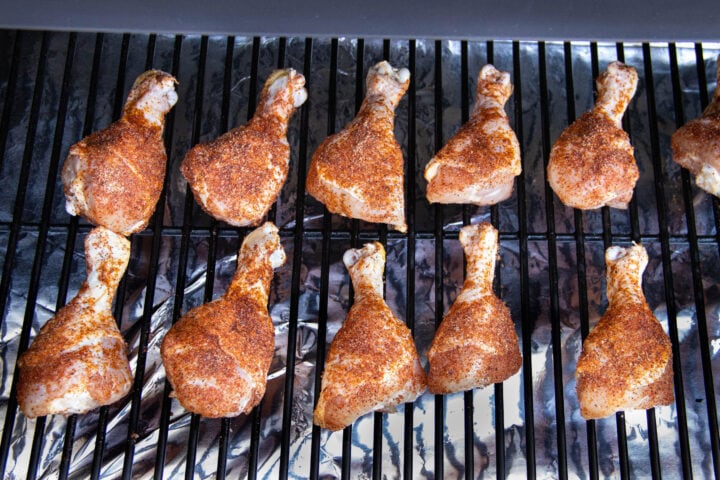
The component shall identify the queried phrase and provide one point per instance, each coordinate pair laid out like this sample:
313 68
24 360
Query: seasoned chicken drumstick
592 164
218 355
479 164
626 361
78 360
476 344
358 172
696 145
237 177
372 363
114 177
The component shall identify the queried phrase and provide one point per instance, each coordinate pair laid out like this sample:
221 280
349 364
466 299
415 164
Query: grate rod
701 315
439 264
407 466
226 125
591 431
296 270
527 323
324 268
9 101
257 411
662 209
39 248
553 272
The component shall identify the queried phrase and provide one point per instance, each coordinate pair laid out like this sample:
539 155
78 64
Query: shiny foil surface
57 87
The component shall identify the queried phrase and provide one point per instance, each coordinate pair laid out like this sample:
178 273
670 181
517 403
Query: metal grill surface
57 87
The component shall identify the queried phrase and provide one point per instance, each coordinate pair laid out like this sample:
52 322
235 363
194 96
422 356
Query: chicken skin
696 145
114 177
217 356
372 363
78 360
476 344
592 163
479 164
358 172
237 177
626 360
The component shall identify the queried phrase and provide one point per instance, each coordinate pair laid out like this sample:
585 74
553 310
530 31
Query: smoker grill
57 87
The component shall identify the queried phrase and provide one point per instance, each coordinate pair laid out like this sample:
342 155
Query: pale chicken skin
480 162
592 163
358 172
476 344
696 145
237 177
217 356
626 360
78 361
114 177
372 363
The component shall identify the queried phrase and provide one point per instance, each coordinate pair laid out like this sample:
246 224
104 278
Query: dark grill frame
355 236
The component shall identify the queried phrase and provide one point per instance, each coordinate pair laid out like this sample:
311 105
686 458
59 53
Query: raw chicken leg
476 344
358 172
696 145
114 177
237 177
479 164
372 363
626 361
78 360
218 355
592 164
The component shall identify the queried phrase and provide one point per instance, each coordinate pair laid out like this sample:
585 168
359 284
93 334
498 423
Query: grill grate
57 87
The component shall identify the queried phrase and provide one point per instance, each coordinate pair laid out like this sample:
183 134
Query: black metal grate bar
697 286
525 309
501 469
324 268
164 421
378 420
468 395
581 270
667 269
8 100
88 127
296 268
695 261
39 249
701 316
226 125
255 416
12 244
103 418
439 263
194 431
410 259
607 242
553 272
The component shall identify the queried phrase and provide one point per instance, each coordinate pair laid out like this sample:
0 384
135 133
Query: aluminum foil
542 263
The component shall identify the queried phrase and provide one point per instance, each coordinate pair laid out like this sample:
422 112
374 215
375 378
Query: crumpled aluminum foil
539 262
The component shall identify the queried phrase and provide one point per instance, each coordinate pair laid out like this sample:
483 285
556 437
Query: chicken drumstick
358 172
78 360
237 177
372 363
476 344
696 145
592 164
217 355
626 361
479 164
114 177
